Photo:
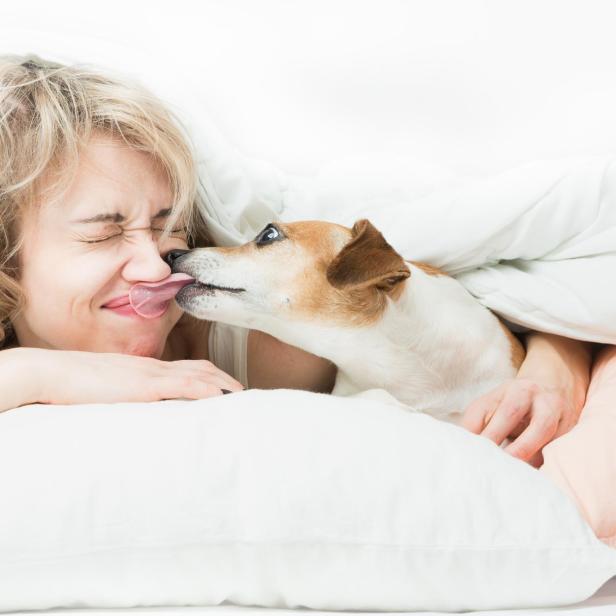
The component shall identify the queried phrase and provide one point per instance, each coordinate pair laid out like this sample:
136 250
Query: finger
514 406
568 419
206 369
536 460
522 425
222 381
540 431
474 418
214 371
188 387
564 425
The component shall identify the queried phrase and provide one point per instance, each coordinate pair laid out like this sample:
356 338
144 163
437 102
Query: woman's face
70 268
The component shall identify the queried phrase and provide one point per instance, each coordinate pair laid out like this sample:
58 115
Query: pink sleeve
583 461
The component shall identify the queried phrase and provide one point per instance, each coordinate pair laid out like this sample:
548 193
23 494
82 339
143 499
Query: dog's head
308 271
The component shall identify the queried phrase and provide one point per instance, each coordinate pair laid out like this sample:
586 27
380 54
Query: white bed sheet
602 603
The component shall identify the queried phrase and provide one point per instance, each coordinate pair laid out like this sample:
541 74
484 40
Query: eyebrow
117 217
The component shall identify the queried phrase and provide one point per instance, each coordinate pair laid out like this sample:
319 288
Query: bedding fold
536 244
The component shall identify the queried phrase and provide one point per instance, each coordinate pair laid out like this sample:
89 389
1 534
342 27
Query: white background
477 85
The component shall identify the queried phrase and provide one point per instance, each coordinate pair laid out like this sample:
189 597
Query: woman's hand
543 402
76 377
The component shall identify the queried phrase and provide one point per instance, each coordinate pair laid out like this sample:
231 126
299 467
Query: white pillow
280 499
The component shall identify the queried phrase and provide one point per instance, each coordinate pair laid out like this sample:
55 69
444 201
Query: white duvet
86 522
536 244
283 498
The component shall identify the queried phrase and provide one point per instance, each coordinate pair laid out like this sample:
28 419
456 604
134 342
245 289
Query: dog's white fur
432 345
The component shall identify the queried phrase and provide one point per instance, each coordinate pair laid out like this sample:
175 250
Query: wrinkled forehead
107 178
113 175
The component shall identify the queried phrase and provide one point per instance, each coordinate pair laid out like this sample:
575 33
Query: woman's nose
172 255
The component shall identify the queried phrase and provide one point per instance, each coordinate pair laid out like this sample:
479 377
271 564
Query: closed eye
176 231
110 237
102 239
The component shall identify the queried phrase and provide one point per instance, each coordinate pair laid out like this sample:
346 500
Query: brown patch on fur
315 246
301 267
428 269
364 273
344 276
517 348
367 260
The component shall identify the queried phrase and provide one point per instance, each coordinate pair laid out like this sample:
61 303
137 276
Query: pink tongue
150 299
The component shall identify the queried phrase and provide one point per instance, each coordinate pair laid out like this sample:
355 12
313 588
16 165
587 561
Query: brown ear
367 260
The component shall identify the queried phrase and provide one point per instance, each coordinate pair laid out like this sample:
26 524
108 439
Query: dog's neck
420 344
405 324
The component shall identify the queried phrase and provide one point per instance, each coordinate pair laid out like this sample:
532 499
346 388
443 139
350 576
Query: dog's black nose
172 255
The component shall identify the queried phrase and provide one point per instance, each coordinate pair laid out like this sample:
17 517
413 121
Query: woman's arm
543 401
19 379
273 363
29 375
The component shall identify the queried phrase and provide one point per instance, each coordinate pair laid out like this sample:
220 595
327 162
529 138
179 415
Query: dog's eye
268 235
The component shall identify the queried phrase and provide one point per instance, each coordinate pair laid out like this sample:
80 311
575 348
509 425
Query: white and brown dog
347 295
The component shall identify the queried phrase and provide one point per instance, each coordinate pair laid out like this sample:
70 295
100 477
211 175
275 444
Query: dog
348 296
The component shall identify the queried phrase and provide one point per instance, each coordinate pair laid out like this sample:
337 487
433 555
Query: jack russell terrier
348 296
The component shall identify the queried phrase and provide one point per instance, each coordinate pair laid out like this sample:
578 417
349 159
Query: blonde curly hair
48 111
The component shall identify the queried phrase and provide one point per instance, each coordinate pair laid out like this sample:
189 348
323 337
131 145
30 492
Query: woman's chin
142 337
145 348
142 345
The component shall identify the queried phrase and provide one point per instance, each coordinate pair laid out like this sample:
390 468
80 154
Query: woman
77 146
97 185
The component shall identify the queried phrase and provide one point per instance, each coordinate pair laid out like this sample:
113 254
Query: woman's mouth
122 307
149 300
125 310
118 301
